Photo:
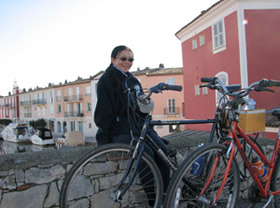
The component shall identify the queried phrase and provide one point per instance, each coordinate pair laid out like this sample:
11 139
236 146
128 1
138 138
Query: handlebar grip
273 83
173 87
207 79
162 86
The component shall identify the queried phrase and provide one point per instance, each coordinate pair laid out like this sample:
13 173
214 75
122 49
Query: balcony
39 102
171 111
27 115
25 103
73 114
74 98
9 105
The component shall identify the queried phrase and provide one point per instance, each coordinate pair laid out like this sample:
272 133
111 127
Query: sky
50 41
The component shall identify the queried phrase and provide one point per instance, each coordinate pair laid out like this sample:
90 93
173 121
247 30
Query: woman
111 115
115 104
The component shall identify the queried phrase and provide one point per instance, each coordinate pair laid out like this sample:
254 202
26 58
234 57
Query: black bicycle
120 175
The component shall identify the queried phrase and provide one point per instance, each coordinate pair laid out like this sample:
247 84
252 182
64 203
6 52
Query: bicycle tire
275 181
181 195
92 178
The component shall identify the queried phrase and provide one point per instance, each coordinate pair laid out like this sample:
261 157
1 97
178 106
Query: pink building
237 41
9 105
169 105
73 107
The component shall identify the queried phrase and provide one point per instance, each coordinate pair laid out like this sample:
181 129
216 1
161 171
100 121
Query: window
69 109
201 40
64 127
58 95
88 91
218 33
51 96
51 109
79 108
59 129
59 108
204 91
171 106
88 107
80 126
223 76
196 90
170 81
72 123
78 93
96 85
194 44
70 94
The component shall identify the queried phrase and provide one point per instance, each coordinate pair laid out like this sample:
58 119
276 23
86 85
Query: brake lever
201 86
210 86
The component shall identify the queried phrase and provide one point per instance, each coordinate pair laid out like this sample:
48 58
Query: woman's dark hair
119 49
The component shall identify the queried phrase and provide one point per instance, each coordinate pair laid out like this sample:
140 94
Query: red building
237 41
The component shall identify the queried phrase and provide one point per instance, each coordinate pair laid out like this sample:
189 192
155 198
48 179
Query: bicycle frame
139 147
264 188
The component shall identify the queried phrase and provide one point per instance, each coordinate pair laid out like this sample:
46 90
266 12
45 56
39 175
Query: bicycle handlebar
155 89
257 86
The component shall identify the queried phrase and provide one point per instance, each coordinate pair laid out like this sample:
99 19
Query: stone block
8 182
53 196
41 176
29 198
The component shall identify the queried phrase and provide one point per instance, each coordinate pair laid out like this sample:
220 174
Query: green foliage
40 123
5 121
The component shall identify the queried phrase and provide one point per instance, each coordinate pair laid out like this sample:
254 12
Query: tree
40 123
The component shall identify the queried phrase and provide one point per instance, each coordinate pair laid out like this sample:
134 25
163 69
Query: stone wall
34 179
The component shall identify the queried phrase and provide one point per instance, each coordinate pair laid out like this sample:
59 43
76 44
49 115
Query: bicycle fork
230 156
118 192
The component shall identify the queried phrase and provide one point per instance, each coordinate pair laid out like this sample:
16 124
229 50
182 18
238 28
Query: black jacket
112 115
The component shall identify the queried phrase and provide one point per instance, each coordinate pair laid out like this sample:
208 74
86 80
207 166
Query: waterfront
11 148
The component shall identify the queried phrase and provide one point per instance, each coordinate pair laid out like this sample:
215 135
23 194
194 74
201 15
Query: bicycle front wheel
198 179
92 180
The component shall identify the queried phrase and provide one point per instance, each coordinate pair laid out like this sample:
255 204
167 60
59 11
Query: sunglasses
129 59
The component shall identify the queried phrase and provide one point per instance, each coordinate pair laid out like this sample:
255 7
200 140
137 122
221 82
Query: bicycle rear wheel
92 179
275 182
190 186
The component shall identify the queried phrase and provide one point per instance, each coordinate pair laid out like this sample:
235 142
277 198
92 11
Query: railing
39 101
73 114
23 103
73 98
171 111
28 115
88 94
